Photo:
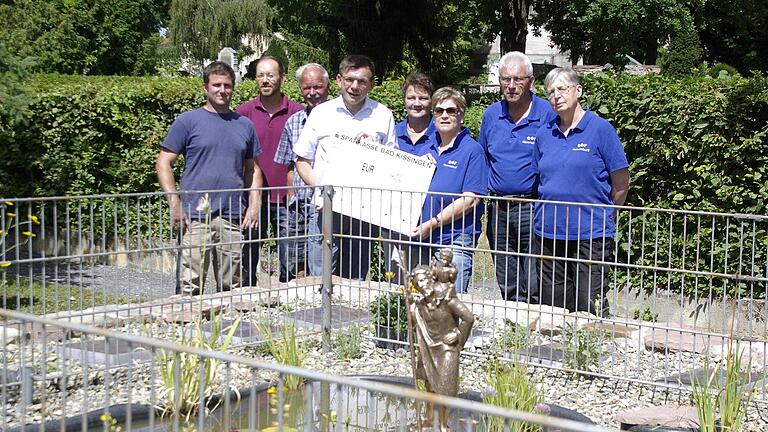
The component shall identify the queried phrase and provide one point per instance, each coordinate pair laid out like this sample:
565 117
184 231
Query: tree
399 35
81 36
201 28
509 20
735 32
608 30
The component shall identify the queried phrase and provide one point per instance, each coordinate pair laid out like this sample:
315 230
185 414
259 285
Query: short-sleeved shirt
215 148
268 129
331 118
285 155
508 146
405 143
461 168
577 168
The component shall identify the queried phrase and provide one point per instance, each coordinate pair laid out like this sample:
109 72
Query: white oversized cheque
377 184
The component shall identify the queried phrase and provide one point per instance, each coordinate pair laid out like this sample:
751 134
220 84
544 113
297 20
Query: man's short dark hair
218 68
356 61
419 81
280 64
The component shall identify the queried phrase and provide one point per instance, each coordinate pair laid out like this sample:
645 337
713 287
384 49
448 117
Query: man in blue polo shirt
508 133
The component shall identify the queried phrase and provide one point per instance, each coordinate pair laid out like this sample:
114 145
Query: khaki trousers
221 240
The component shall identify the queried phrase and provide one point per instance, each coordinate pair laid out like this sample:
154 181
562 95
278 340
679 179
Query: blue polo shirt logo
529 140
581 147
451 164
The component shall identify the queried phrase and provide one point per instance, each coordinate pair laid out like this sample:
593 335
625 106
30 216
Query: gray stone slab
341 316
702 375
245 333
10 376
102 352
548 354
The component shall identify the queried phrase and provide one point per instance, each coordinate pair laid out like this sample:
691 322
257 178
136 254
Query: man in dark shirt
220 149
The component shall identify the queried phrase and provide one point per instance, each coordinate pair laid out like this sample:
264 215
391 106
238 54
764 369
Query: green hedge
693 143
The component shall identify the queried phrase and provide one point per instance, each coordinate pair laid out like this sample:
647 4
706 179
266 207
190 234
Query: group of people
534 157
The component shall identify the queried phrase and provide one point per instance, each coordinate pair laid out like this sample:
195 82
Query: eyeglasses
451 111
559 90
360 81
516 79
269 76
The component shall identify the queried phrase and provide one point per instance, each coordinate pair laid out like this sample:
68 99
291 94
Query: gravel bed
597 398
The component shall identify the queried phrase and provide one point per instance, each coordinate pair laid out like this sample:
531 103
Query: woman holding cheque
452 209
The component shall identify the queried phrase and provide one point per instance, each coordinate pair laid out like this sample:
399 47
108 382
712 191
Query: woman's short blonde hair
449 93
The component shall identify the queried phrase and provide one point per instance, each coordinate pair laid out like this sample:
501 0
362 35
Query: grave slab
101 352
702 375
671 416
663 340
341 316
549 354
479 338
245 333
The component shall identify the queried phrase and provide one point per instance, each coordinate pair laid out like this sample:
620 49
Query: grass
510 386
34 297
287 349
348 343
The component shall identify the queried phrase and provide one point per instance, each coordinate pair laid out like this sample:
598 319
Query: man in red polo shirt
268 113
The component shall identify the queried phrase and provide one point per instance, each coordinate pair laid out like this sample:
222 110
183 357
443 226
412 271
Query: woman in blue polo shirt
452 210
417 131
578 158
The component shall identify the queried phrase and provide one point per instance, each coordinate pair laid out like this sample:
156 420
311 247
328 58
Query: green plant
185 377
509 386
721 69
727 395
646 315
188 377
389 310
348 343
512 338
582 348
287 350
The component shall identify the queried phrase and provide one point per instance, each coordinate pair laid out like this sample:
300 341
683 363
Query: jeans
462 259
304 252
276 215
510 229
576 286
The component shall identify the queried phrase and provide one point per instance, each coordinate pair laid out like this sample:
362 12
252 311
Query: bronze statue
442 325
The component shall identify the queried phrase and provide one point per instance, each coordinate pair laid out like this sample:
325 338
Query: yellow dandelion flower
34 219
29 233
271 390
390 275
8 203
9 214
5 263
103 418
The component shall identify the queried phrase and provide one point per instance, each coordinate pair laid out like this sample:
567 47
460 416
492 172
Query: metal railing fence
672 290
60 390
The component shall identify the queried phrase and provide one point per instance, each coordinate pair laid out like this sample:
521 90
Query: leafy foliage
348 343
510 386
389 310
82 36
582 348
441 43
200 28
604 31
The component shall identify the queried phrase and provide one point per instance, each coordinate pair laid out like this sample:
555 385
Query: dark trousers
510 229
352 256
275 215
576 286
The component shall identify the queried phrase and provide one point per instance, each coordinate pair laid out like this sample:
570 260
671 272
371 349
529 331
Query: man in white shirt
352 114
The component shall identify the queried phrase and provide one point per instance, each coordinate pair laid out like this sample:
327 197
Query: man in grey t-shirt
220 149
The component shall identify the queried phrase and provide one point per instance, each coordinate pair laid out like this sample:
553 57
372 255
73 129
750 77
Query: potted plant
390 316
